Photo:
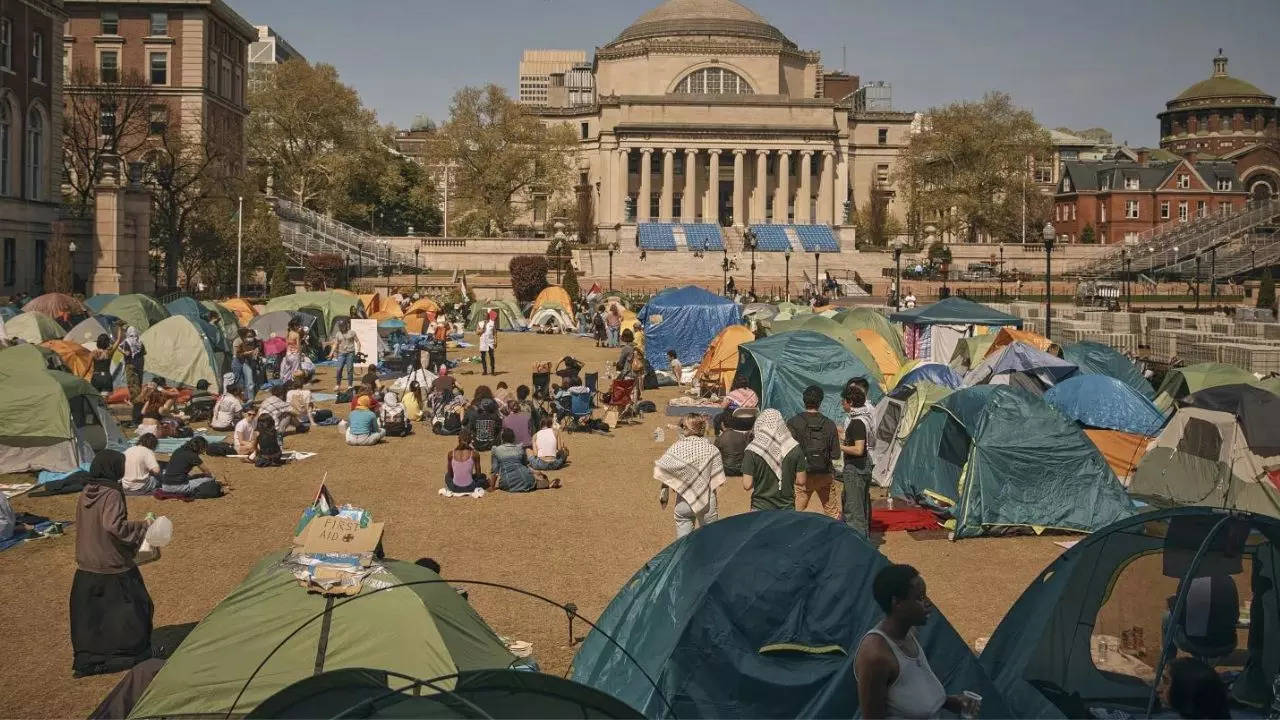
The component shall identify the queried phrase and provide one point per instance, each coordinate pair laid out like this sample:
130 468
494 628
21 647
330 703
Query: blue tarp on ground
1100 401
780 367
686 320
1094 358
757 615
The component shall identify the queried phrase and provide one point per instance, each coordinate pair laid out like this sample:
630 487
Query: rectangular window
109 66
1131 209
37 56
159 24
1184 181
1103 209
107 119
66 64
213 75
586 130
1182 211
1073 211
110 22
1224 184
882 174
1044 174
1131 238
158 121
1223 207
1164 210
10 261
882 136
6 43
159 64
1131 183
41 254
1202 208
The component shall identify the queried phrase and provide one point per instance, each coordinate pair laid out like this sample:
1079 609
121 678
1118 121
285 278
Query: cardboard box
339 535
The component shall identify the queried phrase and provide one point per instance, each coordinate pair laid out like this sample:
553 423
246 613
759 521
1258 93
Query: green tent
1271 384
780 367
970 351
180 351
422 631
790 310
509 316
137 310
956 311
834 330
196 313
50 420
999 457
99 301
861 318
897 414
230 324
327 305
1095 358
1180 382
34 327
26 356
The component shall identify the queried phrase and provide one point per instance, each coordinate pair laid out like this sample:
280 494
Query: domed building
1227 118
707 114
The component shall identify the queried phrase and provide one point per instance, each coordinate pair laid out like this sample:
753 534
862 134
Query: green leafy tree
279 284
389 195
876 226
1088 236
570 283
528 276
209 253
1267 290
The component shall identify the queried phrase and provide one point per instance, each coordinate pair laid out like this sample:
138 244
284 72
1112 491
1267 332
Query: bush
528 276
570 283
1266 290
939 252
1088 236
279 284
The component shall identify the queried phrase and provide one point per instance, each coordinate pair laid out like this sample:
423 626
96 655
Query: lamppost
1000 270
71 265
1198 281
1213 272
749 237
559 241
786 257
360 259
817 284
1124 267
415 269
897 273
388 268
612 249
1049 235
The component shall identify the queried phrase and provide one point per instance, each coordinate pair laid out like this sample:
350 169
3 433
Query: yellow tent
720 362
424 305
554 294
77 358
389 311
243 310
372 303
1008 335
886 359
415 318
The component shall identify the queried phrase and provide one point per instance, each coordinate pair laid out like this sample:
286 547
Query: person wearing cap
362 424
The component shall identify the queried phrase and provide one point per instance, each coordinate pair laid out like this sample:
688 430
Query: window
1131 238
35 154
1223 207
37 57
1184 181
212 80
159 24
713 81
66 64
882 136
159 64
1103 209
1131 209
6 43
1073 211
6 137
1202 208
158 121
1182 211
586 130
882 174
1164 210
1224 184
1044 173
10 261
110 22
109 66
1131 183
1106 183
107 119
1066 184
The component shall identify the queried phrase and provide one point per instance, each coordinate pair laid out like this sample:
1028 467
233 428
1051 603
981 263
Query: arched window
6 147
713 81
35 154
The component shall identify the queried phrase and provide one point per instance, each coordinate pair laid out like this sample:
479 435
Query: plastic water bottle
659 435
160 532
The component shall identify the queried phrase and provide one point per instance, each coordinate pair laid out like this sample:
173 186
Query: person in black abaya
110 607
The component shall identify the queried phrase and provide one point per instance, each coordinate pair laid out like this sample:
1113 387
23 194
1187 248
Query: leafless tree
101 118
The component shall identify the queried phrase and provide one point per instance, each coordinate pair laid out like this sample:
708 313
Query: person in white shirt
141 469
910 300
227 408
549 451
488 341
246 433
299 398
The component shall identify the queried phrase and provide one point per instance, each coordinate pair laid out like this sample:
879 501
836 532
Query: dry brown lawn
578 544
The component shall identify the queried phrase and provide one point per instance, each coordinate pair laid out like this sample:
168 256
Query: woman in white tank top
893 674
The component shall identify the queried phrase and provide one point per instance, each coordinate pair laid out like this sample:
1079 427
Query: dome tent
999 457
86 331
242 308
54 304
780 367
99 301
970 351
1021 366
896 415
179 351
834 330
196 313
1095 358
50 420
34 327
1180 382
1103 402
509 317
686 320
1008 336
325 305
556 297
933 372
139 311
719 363
756 615
867 319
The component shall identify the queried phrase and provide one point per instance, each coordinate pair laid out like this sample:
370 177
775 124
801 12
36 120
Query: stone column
804 200
827 187
689 201
739 186
620 194
646 185
782 199
712 211
668 184
762 187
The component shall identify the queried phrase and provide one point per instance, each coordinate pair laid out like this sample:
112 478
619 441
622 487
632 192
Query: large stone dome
1219 85
682 18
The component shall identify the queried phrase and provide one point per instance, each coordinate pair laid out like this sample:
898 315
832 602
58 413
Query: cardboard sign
335 534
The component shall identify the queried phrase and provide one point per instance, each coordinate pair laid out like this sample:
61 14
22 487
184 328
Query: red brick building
1120 199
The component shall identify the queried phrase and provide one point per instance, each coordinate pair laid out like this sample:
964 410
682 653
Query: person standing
292 361
819 439
613 324
488 342
693 468
344 345
134 354
856 499
244 361
104 350
110 607
598 327
773 464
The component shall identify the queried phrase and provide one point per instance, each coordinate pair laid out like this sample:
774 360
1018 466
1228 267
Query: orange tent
720 362
243 310
1122 451
77 358
423 305
416 317
372 303
1007 336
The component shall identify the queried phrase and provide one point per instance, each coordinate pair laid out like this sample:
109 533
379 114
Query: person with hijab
362 424
772 464
394 416
133 352
693 469
110 607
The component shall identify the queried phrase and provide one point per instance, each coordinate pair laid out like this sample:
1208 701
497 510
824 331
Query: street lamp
1124 267
559 241
71 263
1049 235
1000 270
786 257
724 271
360 259
415 268
750 238
897 273
1198 255
1213 272
817 284
612 249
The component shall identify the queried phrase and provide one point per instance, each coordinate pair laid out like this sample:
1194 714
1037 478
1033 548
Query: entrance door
725 202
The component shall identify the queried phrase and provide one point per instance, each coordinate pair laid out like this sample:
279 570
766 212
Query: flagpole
239 240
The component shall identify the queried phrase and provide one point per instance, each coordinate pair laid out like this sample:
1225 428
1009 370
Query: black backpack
814 435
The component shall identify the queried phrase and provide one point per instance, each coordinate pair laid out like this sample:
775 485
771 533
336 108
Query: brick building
1120 199
30 126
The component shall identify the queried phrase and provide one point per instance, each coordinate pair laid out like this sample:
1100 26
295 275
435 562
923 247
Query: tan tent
719 363
372 303
880 349
243 309
554 294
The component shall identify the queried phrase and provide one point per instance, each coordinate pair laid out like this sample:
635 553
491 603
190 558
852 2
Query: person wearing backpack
820 440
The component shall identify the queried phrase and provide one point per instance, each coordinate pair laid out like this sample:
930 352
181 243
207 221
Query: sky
1073 63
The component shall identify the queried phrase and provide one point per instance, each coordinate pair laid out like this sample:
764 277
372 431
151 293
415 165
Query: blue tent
1023 366
756 615
686 320
1104 402
1094 358
934 372
99 301
780 367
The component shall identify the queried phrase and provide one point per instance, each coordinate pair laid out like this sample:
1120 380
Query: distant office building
536 69
575 87
271 48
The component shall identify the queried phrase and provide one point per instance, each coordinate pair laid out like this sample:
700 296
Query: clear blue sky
1075 63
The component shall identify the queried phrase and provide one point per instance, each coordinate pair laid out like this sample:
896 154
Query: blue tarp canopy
1094 358
780 367
934 372
1020 364
955 311
1100 401
758 615
686 320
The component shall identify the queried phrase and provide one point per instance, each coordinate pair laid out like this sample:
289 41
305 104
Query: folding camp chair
621 399
573 409
542 392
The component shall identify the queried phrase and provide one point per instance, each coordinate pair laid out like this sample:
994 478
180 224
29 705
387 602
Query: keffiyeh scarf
692 467
772 440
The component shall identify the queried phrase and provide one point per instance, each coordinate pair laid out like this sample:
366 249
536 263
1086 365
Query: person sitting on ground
141 469
820 440
481 394
370 377
228 408
549 449
462 471
414 402
692 467
302 404
741 396
772 464
366 390
154 400
444 383
245 436
200 400
394 416
626 353
484 422
529 406
267 446
733 440
520 423
510 468
279 410
184 474
893 675
502 394
1192 688
362 424
677 369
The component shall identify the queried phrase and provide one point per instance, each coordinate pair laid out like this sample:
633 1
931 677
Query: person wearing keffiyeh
773 463
693 468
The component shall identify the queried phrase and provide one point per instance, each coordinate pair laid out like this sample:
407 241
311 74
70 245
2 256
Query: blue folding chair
575 408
